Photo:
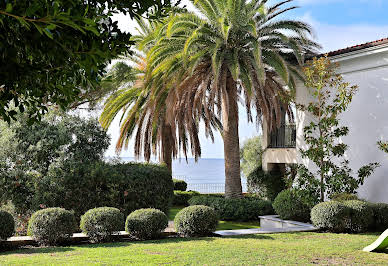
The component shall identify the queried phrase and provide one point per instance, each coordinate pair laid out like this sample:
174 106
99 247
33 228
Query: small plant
100 223
146 223
7 225
181 198
331 216
361 216
197 220
180 185
294 205
52 226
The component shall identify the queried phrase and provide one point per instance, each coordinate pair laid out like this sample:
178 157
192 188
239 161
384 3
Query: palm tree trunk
167 146
233 188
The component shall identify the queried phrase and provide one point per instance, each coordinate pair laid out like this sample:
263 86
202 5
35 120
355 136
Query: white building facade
364 65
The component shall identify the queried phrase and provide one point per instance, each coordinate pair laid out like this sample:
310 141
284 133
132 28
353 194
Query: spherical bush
291 205
100 223
361 216
146 223
7 225
380 214
52 226
332 216
197 220
179 185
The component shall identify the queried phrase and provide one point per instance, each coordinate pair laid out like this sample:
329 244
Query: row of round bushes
350 216
245 209
55 225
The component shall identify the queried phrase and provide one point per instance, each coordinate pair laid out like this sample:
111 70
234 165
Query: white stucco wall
367 116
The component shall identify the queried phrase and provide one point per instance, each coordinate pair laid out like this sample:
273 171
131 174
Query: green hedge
52 226
245 209
7 225
332 216
361 216
146 223
198 220
100 223
344 197
125 186
181 198
180 185
380 214
266 184
293 205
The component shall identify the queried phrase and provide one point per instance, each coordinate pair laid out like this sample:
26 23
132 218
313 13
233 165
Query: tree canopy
51 51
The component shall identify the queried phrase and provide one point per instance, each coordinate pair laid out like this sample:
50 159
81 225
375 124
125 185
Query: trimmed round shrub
181 198
331 216
7 225
344 197
179 184
52 226
100 223
380 214
293 205
245 209
146 223
360 216
197 220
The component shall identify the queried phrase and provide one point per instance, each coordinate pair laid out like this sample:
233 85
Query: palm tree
231 50
144 114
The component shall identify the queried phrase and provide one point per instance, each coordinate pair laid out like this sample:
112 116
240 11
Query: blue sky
337 24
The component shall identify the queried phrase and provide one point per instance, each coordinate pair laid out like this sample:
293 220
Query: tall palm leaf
231 49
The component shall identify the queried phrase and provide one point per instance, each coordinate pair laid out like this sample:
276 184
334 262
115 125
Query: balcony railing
283 137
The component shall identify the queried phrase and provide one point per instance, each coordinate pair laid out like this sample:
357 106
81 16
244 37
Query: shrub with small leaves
7 225
179 184
52 226
146 223
331 216
181 198
380 214
100 223
361 216
344 197
197 220
293 205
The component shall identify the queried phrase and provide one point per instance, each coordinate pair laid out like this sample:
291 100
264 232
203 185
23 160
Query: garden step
274 222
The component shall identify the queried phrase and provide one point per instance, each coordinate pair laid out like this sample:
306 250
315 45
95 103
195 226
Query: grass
222 225
273 249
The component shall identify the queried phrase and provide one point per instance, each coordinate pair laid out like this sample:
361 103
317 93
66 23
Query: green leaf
8 8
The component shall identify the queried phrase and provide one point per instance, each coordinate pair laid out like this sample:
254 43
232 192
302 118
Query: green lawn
273 249
222 225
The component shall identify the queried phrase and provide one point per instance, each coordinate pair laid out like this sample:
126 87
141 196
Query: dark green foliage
360 216
52 226
51 49
294 205
344 197
180 185
380 214
266 185
7 225
146 223
197 220
332 216
181 198
250 155
245 209
126 186
100 223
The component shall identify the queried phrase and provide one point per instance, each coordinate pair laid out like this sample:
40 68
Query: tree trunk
167 146
233 188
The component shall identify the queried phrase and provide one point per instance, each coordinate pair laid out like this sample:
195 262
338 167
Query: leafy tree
250 155
323 134
227 50
53 51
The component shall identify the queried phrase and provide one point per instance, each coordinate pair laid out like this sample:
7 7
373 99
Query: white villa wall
367 116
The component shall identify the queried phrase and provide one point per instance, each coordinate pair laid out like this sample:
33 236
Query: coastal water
205 175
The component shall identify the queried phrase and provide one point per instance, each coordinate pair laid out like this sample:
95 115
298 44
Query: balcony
283 137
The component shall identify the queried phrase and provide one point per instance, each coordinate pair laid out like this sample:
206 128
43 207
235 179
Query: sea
204 175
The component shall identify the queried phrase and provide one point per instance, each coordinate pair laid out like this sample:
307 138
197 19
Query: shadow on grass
30 250
256 236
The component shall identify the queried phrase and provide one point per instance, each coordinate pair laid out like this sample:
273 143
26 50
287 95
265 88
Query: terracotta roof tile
358 47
